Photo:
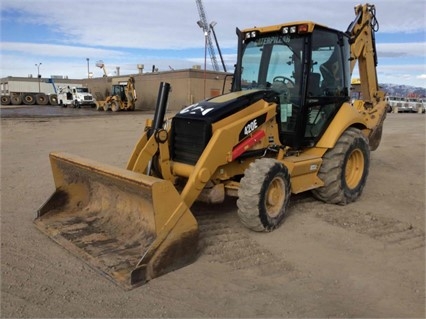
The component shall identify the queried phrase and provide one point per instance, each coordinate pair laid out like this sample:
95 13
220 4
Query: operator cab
119 90
307 65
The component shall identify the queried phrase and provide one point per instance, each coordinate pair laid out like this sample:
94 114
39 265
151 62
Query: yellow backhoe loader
287 126
123 97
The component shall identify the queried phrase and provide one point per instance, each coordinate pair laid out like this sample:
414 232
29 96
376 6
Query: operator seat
329 80
330 71
314 84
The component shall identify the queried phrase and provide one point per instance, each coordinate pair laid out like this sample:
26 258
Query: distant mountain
403 90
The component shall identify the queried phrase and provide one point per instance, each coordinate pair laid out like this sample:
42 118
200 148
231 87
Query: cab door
328 83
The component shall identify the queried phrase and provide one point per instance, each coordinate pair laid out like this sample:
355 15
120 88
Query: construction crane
101 64
203 24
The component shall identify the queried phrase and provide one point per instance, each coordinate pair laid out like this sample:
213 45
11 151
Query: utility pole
88 71
38 76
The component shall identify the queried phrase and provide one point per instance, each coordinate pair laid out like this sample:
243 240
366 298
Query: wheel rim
354 168
114 106
275 197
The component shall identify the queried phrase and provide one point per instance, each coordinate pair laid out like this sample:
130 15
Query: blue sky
62 34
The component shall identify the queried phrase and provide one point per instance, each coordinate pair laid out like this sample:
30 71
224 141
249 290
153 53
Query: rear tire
41 99
5 100
29 99
263 195
344 169
16 99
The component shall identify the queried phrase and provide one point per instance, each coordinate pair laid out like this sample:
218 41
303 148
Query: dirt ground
366 259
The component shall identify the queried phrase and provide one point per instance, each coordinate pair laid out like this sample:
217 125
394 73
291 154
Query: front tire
344 169
53 99
114 106
263 195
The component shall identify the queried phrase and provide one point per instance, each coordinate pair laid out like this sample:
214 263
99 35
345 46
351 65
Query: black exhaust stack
160 108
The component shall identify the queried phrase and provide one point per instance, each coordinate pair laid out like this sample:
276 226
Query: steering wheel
282 85
285 80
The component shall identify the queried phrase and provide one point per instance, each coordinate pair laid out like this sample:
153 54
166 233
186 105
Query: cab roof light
303 28
250 34
287 30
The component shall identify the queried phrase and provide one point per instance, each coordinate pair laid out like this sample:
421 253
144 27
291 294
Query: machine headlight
285 30
293 29
251 35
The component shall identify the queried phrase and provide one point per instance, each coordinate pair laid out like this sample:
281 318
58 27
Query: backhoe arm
363 50
131 88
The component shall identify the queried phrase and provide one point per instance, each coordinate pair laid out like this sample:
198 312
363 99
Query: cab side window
327 63
327 87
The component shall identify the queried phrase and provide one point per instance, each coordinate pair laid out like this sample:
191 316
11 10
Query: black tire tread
331 169
249 193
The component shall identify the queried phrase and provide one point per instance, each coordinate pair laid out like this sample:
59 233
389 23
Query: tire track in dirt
390 231
224 240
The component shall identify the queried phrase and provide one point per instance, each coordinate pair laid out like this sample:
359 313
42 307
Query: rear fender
346 117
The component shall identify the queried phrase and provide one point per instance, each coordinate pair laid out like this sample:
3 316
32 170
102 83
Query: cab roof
278 27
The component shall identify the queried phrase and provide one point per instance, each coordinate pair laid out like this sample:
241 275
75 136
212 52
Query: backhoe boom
363 50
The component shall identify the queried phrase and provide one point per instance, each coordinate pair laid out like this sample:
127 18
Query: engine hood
217 108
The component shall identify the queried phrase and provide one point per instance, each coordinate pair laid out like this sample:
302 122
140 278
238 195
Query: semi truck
75 97
33 91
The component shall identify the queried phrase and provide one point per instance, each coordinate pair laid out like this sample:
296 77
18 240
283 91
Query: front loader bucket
129 226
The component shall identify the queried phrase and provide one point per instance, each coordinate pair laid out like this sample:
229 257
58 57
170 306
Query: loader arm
219 151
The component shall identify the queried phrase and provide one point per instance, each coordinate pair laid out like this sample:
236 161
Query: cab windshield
273 62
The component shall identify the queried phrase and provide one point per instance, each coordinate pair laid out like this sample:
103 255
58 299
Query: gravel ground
366 259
